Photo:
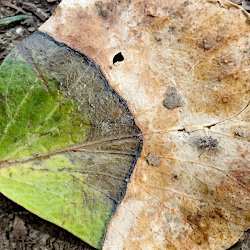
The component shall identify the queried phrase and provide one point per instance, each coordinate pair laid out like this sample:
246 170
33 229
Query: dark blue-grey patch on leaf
68 143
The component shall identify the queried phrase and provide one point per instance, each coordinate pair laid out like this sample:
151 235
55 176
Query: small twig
38 12
13 6
9 20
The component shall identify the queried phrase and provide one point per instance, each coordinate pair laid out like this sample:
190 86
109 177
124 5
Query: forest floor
19 229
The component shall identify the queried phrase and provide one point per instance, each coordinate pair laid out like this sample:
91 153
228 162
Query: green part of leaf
68 143
64 201
34 118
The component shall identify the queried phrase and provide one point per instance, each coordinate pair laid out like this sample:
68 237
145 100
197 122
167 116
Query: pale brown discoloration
195 198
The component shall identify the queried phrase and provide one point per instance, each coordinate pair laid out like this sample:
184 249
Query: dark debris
10 35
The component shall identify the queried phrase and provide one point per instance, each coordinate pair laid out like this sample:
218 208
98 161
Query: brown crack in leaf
197 197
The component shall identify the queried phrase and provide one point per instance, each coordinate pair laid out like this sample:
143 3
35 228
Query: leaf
185 77
68 142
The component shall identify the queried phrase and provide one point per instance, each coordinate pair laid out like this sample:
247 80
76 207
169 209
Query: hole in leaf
118 58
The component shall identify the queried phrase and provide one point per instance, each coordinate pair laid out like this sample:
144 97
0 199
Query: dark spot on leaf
207 142
102 10
205 44
240 134
175 177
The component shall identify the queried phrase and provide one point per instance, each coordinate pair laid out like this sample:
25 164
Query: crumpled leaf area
68 142
185 77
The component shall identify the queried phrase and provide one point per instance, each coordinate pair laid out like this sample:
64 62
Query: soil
19 229
37 10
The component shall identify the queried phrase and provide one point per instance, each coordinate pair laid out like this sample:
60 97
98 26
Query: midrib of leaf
74 148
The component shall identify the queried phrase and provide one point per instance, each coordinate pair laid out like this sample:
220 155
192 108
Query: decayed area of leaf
67 141
185 76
